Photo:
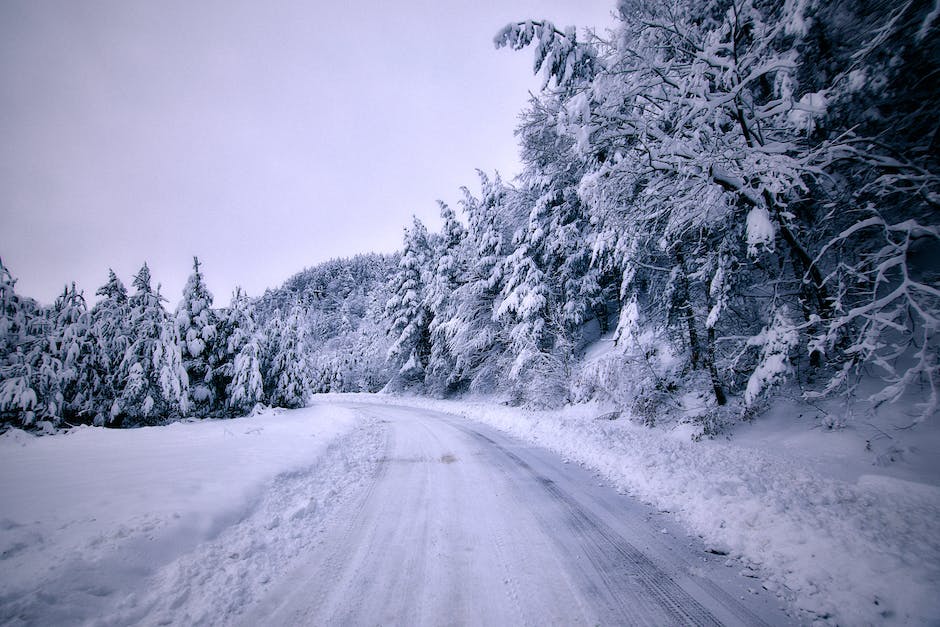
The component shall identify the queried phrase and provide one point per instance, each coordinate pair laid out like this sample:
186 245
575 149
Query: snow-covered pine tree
45 368
525 308
46 358
474 337
738 181
18 400
559 226
76 349
288 375
406 309
196 323
270 335
30 365
448 272
669 155
110 331
242 364
152 379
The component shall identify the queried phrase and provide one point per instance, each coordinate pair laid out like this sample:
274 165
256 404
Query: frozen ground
464 525
358 511
184 522
348 512
845 534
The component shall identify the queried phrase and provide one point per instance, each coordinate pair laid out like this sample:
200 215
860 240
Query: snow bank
859 551
91 516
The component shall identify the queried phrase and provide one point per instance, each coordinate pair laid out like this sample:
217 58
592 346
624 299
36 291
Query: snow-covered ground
186 521
465 525
843 534
199 522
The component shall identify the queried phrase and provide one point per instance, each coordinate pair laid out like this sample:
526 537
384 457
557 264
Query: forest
733 198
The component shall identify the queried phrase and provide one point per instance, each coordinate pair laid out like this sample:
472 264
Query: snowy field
124 526
806 513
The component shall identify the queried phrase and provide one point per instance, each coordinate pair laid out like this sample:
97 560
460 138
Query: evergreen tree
76 351
288 377
407 310
447 274
733 173
559 227
242 365
152 379
196 323
270 327
43 364
19 402
474 337
111 333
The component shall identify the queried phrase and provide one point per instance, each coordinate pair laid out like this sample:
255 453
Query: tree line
746 189
735 193
127 361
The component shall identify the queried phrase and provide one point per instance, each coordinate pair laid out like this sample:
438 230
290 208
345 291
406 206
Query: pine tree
737 184
242 365
474 337
559 228
446 277
111 333
196 323
288 378
45 367
42 358
18 400
407 310
76 350
152 379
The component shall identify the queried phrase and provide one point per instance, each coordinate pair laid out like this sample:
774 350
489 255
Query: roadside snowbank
859 551
89 518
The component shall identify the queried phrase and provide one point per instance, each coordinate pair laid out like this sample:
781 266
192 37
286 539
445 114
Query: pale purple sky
262 136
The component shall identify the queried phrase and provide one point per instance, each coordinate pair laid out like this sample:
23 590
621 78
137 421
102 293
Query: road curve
464 525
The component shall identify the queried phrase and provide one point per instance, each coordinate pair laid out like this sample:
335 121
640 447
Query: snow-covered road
352 511
463 525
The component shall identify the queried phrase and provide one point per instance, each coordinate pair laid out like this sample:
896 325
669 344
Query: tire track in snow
334 560
620 565
459 529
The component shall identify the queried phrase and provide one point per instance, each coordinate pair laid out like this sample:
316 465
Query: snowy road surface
347 512
462 525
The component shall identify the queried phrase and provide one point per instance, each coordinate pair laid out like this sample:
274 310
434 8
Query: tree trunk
700 356
720 397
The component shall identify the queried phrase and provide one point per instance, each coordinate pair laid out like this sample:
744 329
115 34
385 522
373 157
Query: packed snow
806 512
190 522
465 525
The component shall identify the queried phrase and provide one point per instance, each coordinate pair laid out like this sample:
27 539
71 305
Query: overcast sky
262 136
